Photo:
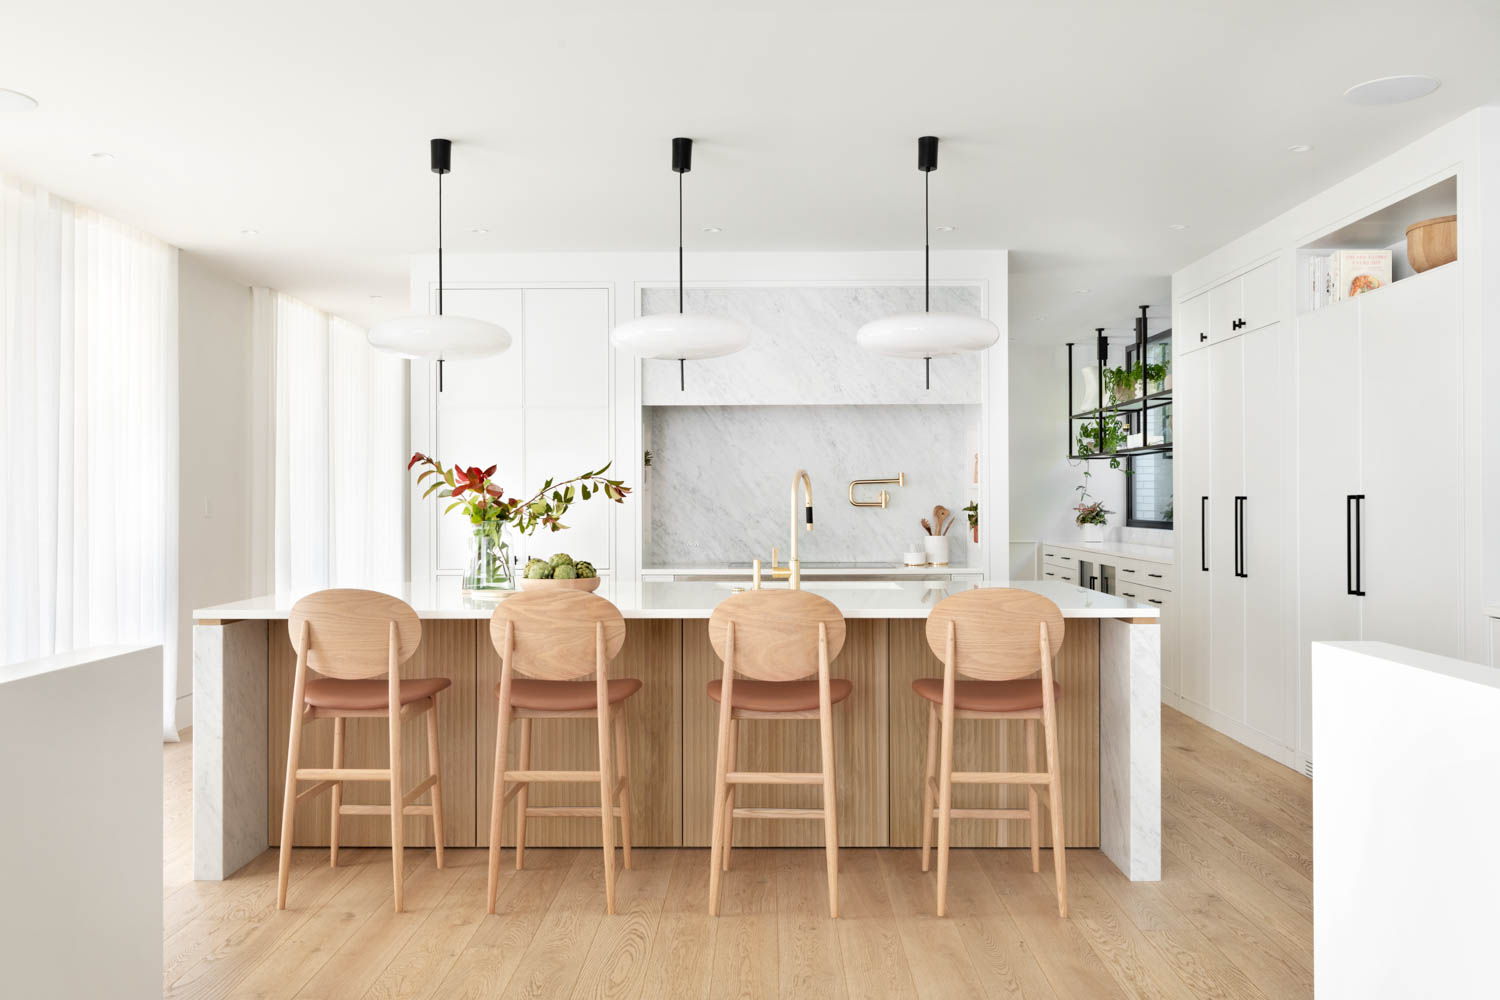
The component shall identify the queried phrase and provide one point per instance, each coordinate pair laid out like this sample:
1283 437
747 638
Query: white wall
216 451
81 841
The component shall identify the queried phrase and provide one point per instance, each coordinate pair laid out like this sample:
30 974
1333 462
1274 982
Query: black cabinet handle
1203 532
1154 576
1238 324
1126 593
1202 337
1239 537
1123 570
1153 600
1354 506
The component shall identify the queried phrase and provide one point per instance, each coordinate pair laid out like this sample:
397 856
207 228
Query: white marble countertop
696 599
1120 550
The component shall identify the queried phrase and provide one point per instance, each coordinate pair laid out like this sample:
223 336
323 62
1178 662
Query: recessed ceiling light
101 157
14 100
946 229
249 232
1177 227
713 229
1300 147
377 296
1083 291
1392 89
479 229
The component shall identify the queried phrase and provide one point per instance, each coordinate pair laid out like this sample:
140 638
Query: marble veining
230 810
720 477
803 350
1130 747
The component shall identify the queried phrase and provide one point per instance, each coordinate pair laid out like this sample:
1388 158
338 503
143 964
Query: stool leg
716 853
1033 801
945 807
523 794
607 806
289 803
338 794
734 752
398 855
497 801
830 811
1054 802
435 768
927 803
622 767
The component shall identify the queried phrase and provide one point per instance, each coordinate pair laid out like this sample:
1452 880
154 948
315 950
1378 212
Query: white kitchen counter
697 599
1119 550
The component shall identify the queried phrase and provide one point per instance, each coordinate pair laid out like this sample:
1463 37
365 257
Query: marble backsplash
720 476
803 350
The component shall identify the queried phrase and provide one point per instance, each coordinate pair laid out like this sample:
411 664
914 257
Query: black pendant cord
927 260
440 269
681 366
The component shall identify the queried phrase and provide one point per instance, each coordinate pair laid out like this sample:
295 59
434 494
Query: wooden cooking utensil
939 515
926 525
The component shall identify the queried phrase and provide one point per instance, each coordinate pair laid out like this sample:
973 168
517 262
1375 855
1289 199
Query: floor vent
1307 767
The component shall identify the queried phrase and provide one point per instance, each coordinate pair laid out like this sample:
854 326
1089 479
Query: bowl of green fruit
561 572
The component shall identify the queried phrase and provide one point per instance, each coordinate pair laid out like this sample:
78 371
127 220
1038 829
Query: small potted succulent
494 517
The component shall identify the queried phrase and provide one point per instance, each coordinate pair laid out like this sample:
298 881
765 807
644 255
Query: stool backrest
996 631
553 633
776 632
349 632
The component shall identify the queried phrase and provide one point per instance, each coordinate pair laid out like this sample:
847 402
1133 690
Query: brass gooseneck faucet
793 571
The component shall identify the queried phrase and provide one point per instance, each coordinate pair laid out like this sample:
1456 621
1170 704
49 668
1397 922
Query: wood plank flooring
1232 917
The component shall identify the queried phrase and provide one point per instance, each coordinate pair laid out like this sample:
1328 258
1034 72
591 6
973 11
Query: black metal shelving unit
1135 412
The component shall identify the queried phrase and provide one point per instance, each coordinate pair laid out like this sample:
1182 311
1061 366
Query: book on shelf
1343 274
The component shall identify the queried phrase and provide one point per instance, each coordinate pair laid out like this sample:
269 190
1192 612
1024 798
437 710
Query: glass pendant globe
927 335
681 336
439 338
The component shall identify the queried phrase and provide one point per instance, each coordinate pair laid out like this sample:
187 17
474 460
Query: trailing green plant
973 511
484 503
1154 374
1088 442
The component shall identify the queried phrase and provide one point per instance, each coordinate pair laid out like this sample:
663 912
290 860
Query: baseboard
1235 730
184 712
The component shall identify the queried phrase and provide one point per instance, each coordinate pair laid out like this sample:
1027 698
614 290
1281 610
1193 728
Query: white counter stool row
777 647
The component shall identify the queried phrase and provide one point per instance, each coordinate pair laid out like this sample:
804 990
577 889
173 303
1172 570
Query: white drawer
1060 572
1143 574
1145 595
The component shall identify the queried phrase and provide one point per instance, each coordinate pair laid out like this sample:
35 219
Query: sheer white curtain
88 499
341 432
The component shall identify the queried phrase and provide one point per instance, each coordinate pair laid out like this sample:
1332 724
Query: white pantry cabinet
540 409
1241 305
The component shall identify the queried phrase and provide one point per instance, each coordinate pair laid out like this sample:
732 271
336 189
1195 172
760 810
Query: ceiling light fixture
14 100
440 338
249 232
681 336
946 229
479 229
927 334
101 157
1392 89
1300 147
1177 227
712 229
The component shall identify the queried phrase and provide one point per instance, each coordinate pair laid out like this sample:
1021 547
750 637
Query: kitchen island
1109 727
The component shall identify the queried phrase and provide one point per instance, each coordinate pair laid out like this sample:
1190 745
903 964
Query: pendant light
681 336
440 338
927 334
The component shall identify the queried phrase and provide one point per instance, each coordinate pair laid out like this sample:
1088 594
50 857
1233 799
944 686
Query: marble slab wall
720 478
803 350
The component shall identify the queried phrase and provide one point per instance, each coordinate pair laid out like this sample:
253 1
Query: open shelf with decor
1126 410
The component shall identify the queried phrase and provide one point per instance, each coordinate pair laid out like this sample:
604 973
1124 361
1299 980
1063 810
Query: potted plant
1090 514
972 510
1121 383
493 517
1113 432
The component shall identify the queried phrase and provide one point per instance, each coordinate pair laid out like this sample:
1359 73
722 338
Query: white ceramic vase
1093 534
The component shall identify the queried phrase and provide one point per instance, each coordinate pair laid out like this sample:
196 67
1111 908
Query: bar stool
775 638
548 640
350 637
999 636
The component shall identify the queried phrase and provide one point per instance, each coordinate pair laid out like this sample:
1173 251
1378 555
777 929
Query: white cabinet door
1225 308
567 347
1259 303
1190 326
560 444
1192 465
474 435
1410 559
1327 463
496 380
1226 481
1270 691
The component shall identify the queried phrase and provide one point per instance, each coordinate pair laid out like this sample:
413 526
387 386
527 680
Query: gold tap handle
774 556
755 575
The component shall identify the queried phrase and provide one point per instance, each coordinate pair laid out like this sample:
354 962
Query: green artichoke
561 559
585 570
538 570
564 572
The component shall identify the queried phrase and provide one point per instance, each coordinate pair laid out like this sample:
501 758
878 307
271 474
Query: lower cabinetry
1140 580
880 736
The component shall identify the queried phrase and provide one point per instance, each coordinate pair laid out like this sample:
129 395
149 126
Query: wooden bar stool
548 640
350 637
1002 637
775 639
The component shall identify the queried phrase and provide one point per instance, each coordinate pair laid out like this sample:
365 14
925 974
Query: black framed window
1148 480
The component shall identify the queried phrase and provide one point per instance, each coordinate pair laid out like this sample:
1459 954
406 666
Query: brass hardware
884 498
778 572
794 564
755 575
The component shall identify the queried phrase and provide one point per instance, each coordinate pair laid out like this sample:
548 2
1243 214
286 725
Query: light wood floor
1231 918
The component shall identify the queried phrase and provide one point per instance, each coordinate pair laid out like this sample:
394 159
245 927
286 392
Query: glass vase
490 567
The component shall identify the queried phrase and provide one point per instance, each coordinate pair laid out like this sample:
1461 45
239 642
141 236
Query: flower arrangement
1088 510
483 501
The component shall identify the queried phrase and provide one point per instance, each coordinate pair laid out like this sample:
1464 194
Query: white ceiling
1073 133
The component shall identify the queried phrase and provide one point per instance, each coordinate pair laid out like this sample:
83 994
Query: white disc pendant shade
681 336
439 338
927 335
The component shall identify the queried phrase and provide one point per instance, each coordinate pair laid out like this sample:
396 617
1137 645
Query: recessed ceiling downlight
1300 147
14 100
1392 89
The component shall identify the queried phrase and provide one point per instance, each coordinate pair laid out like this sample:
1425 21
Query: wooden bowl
588 585
1432 242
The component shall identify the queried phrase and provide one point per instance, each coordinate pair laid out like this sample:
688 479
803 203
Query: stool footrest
1001 777
357 810
552 776
343 774
417 791
983 814
532 811
774 777
761 812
